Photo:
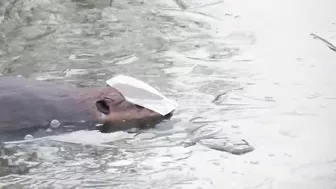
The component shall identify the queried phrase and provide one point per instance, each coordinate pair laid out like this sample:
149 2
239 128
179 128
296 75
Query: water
241 71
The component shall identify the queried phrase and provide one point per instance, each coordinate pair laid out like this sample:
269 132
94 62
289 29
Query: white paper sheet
142 94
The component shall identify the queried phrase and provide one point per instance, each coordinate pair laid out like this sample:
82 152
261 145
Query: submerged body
42 108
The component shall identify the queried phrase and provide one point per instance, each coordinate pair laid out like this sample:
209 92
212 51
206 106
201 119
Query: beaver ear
103 106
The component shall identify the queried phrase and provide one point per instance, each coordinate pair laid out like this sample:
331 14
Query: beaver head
117 113
29 106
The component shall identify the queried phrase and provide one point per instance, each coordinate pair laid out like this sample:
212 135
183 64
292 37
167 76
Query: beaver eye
103 106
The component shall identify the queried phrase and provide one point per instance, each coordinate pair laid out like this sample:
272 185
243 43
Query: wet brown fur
30 104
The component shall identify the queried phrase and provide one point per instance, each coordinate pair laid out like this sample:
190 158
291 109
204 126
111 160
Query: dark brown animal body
42 108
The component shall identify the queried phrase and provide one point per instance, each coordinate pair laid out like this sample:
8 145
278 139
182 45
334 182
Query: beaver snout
120 115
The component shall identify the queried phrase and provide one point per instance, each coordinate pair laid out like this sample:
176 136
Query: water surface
240 70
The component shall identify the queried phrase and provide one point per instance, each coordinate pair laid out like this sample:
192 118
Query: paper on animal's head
142 94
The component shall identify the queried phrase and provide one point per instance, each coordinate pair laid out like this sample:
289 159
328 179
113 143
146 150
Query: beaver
43 108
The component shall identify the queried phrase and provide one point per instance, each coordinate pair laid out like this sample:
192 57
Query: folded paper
142 94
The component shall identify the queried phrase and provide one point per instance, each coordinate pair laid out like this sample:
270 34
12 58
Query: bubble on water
55 123
28 137
48 130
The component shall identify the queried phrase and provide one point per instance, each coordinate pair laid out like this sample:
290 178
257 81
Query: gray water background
239 69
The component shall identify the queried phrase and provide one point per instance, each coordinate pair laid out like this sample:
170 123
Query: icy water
247 74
